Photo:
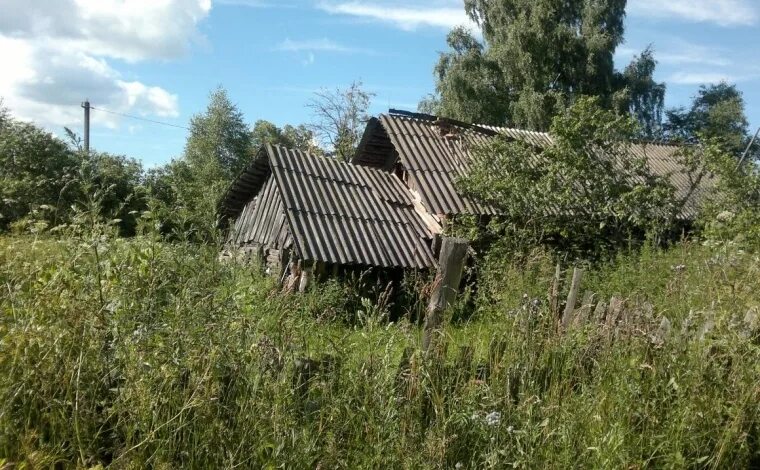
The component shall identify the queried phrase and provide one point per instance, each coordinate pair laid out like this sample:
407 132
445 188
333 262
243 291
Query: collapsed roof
431 153
329 210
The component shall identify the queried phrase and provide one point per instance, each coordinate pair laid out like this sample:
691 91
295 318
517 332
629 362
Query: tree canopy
219 144
586 190
536 58
716 113
339 118
295 137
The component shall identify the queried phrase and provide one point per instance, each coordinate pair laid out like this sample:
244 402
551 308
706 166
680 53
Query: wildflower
493 418
680 268
458 465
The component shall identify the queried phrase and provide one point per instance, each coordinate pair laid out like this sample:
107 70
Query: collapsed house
316 213
429 154
387 208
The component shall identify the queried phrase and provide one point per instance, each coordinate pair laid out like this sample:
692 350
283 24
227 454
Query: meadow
134 353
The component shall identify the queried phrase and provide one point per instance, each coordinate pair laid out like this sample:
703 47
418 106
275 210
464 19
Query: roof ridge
439 119
490 128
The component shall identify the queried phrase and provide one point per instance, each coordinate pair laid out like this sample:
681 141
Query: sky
159 59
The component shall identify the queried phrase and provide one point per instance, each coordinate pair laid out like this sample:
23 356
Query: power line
139 118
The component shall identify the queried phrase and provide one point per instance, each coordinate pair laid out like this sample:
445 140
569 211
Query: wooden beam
450 266
572 297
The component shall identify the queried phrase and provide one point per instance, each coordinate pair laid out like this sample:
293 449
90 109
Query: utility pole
86 106
749 147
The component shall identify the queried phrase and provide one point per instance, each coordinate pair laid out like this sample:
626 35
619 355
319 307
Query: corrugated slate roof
434 158
342 213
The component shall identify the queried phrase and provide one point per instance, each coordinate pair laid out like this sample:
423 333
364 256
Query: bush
585 193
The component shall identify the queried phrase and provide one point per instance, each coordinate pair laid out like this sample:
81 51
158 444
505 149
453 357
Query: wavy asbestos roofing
434 154
341 213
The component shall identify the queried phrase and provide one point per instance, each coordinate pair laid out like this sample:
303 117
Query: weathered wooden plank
572 296
450 267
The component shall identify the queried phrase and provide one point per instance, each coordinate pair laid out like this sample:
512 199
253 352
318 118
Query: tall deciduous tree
641 95
339 118
717 113
219 144
295 137
535 57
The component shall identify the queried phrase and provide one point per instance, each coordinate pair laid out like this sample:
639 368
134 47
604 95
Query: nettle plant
586 192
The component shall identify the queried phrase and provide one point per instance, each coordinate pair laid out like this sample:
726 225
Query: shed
429 154
291 206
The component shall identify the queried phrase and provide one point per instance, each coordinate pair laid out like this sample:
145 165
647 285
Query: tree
219 144
295 137
339 118
37 170
586 189
717 112
732 209
641 95
118 182
536 57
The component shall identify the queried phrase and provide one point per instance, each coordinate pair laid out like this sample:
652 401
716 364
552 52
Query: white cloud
312 45
408 17
56 53
701 78
680 52
720 12
255 3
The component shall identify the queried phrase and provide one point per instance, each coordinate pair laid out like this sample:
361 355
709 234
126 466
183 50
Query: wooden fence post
450 267
572 296
307 275
554 292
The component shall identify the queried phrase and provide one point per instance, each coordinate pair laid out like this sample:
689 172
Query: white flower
458 465
493 418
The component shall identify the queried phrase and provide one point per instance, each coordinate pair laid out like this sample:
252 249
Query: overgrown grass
135 353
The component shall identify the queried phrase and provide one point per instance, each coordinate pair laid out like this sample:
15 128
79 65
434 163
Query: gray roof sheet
434 160
342 213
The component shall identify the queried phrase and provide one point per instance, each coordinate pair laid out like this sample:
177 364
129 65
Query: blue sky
159 59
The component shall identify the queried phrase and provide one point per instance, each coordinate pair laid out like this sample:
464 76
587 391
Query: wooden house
386 208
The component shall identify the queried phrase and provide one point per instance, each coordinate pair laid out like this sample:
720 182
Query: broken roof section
433 154
335 212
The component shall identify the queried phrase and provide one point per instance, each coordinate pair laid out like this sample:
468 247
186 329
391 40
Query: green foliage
717 112
295 137
731 211
586 191
219 145
139 353
641 96
185 201
119 180
536 58
339 118
36 170
43 178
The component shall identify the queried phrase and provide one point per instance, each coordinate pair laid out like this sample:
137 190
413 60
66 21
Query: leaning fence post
450 267
572 296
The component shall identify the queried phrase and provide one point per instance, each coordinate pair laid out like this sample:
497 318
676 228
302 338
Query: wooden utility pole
86 106
749 147
450 267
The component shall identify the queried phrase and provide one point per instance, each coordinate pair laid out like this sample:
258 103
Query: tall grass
135 353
